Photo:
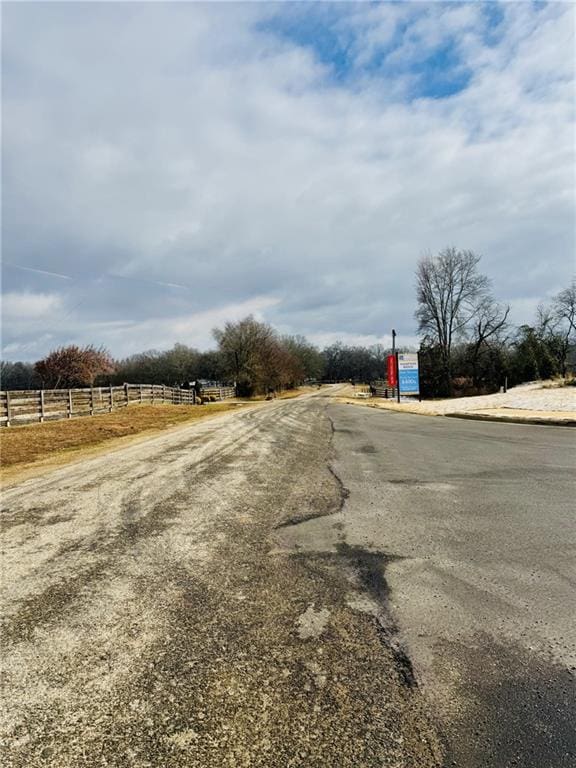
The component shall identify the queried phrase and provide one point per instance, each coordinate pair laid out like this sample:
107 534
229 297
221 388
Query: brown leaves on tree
74 366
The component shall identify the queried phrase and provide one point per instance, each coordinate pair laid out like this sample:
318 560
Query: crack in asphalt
370 567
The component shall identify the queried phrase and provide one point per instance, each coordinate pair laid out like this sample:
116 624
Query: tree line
467 346
249 353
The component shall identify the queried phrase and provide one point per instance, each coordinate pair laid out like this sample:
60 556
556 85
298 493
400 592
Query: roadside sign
409 382
391 376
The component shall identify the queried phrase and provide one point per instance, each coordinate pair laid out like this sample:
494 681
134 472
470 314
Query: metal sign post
419 387
393 367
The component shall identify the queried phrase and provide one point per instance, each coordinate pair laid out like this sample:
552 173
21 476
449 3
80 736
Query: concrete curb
380 407
470 415
514 419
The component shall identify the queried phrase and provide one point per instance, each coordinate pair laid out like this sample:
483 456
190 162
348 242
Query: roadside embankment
528 404
27 449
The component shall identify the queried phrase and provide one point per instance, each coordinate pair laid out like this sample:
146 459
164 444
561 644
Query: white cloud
163 332
24 307
202 151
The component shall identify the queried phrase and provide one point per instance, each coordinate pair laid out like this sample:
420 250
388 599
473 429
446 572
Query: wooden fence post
163 393
126 393
41 405
91 401
111 398
140 388
8 412
69 403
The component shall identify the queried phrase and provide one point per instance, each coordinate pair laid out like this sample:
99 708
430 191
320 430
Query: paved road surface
476 528
302 584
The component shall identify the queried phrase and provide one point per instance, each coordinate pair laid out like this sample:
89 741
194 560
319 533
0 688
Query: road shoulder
503 414
106 435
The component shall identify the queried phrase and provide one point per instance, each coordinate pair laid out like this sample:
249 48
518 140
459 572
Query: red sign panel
391 372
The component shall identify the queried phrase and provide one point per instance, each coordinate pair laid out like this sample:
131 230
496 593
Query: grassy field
27 450
63 440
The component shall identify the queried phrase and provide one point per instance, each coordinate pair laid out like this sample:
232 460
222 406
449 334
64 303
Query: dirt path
153 616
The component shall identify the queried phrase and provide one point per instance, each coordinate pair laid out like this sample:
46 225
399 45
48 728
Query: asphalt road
475 523
300 584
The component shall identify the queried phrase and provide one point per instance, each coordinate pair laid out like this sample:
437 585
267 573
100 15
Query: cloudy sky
167 167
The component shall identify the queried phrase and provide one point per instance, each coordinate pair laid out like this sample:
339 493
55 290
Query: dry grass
27 450
287 394
33 443
569 381
349 390
290 393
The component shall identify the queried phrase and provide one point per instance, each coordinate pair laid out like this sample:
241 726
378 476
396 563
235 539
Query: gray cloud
183 163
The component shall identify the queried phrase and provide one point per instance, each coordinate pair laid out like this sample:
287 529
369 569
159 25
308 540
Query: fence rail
382 389
38 405
218 393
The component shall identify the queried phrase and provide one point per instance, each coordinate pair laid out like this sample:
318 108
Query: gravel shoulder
31 450
158 613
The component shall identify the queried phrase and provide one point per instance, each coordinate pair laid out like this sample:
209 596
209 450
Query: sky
167 167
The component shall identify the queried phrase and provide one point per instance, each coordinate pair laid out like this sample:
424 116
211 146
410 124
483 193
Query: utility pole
397 367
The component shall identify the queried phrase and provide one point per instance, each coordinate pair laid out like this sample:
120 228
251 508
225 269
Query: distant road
303 584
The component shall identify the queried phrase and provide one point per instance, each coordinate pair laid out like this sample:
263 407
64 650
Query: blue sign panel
409 381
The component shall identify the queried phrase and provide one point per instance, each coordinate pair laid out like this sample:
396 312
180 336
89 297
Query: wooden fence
218 393
382 389
38 405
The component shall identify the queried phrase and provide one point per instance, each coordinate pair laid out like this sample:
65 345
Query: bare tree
562 323
254 355
17 375
545 321
309 358
488 324
450 292
241 345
